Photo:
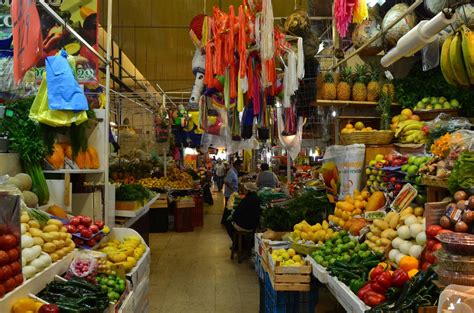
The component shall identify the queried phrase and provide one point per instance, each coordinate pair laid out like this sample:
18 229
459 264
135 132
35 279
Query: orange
409 263
407 112
415 117
349 126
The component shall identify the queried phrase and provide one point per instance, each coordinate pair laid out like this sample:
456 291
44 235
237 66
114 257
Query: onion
410 219
405 247
399 257
404 232
415 251
421 238
392 255
415 229
397 242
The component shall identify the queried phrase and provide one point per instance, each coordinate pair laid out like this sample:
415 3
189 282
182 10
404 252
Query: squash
376 201
57 158
57 211
95 164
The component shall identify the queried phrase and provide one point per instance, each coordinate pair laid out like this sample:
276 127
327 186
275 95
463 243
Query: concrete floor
192 272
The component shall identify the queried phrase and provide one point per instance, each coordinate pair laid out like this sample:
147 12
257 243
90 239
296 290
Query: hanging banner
81 15
27 39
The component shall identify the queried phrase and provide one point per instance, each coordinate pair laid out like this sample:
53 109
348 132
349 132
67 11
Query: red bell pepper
49 308
399 278
374 286
373 298
376 272
363 290
384 280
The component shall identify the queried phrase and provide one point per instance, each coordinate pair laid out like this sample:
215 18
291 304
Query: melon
31 199
14 181
25 181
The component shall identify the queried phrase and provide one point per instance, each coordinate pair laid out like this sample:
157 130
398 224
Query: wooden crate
288 278
185 203
160 203
127 205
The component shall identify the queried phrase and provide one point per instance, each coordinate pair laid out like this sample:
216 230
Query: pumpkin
94 157
57 158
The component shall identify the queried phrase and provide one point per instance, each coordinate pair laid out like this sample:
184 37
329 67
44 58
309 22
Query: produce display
357 127
312 234
62 156
133 192
384 173
123 254
23 305
435 103
86 233
113 284
459 215
354 205
410 129
287 257
176 179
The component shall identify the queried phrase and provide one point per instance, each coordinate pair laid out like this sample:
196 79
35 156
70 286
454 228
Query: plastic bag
430 55
64 92
342 169
41 113
444 123
84 265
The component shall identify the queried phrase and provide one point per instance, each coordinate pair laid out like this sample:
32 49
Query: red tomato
80 228
3 229
94 229
9 242
91 242
3 258
75 221
430 258
71 228
18 279
78 241
13 254
430 243
437 246
2 291
425 266
9 284
81 218
85 233
86 221
433 230
16 268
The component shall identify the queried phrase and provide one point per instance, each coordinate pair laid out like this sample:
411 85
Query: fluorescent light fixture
321 47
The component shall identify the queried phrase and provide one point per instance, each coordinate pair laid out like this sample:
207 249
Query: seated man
247 214
266 178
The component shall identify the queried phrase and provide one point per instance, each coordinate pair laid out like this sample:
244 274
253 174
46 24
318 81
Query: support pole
107 205
288 167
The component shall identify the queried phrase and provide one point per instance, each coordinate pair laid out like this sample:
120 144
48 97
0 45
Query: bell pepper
399 278
356 284
49 308
363 290
384 280
385 266
376 271
373 298
377 287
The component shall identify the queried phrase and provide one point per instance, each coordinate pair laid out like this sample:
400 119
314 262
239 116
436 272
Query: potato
381 224
385 242
38 241
56 222
54 256
69 242
369 235
393 222
63 229
55 235
35 232
370 244
47 237
62 236
374 239
51 228
375 230
388 216
406 211
58 243
25 218
34 224
49 247
389 234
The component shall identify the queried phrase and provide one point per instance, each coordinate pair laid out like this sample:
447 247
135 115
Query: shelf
135 215
321 102
358 117
74 171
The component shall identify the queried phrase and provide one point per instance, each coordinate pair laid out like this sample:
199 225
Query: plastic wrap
83 265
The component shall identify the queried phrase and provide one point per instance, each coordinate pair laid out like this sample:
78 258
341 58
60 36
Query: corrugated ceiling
154 34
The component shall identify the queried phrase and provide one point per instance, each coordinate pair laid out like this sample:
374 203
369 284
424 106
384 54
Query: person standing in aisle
231 182
266 178
219 171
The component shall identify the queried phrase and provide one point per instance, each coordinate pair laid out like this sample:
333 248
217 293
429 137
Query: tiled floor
192 272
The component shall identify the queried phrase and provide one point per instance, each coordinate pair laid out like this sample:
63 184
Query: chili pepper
399 278
392 293
373 298
363 290
376 271
377 287
356 284
384 280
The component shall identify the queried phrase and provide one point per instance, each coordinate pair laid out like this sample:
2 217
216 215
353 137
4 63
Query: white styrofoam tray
345 296
318 270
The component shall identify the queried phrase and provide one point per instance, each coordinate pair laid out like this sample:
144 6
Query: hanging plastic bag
430 55
64 92
41 113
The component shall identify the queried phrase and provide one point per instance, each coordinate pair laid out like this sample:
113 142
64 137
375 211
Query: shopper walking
231 182
266 178
219 171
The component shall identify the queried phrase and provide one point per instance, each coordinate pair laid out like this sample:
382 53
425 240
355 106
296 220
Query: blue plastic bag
64 92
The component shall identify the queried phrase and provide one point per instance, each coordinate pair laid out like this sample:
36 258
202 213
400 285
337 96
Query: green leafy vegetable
132 192
462 176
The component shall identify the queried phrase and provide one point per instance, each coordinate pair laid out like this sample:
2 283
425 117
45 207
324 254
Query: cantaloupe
31 199
14 181
25 181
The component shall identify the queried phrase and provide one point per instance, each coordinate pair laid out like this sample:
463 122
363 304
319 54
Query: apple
75 221
393 179
71 228
86 221
94 229
86 233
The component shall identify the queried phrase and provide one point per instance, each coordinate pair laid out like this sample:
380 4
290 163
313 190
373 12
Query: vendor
231 182
247 214
266 178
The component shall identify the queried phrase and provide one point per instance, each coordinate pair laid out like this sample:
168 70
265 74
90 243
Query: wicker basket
429 180
432 114
379 137
410 148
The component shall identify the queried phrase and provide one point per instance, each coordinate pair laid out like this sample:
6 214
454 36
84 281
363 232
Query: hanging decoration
343 10
361 12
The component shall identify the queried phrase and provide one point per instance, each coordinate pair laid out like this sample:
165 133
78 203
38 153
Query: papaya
56 159
94 157
376 201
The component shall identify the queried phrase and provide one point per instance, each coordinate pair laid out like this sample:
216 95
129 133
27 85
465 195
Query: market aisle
192 272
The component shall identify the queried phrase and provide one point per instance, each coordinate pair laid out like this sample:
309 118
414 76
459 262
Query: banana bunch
457 57
411 131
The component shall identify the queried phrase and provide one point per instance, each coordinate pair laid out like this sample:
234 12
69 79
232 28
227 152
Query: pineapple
329 88
373 88
359 90
389 89
344 86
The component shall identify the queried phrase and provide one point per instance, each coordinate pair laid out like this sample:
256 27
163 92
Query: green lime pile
341 248
113 284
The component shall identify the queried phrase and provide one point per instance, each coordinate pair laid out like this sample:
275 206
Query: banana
416 126
407 125
468 51
457 61
411 132
446 63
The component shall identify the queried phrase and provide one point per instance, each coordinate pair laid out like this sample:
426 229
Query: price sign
27 38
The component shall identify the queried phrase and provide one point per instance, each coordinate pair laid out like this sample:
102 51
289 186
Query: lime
346 239
346 258
325 264
339 242
363 246
343 233
331 261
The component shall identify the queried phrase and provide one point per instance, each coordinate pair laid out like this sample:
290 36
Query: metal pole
60 20
381 33
107 114
288 167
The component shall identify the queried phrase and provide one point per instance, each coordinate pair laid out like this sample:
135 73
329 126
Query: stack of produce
23 182
432 245
411 237
411 131
85 232
133 192
182 181
413 167
459 215
86 158
435 103
10 271
382 232
305 233
124 254
406 115
357 127
457 57
113 284
341 247
463 172
351 206
30 305
287 257
49 234
383 173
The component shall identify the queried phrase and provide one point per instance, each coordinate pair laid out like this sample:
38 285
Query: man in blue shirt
231 182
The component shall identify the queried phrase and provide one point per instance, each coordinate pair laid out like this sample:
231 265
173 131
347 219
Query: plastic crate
289 301
183 220
198 211
259 268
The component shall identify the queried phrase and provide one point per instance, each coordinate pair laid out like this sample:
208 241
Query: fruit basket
430 180
428 115
379 137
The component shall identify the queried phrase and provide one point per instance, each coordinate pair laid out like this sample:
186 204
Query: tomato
13 254
2 291
430 258
86 233
425 266
78 241
430 243
91 242
16 268
71 228
86 221
9 284
433 230
9 241
80 228
18 279
3 258
94 229
437 246
75 221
